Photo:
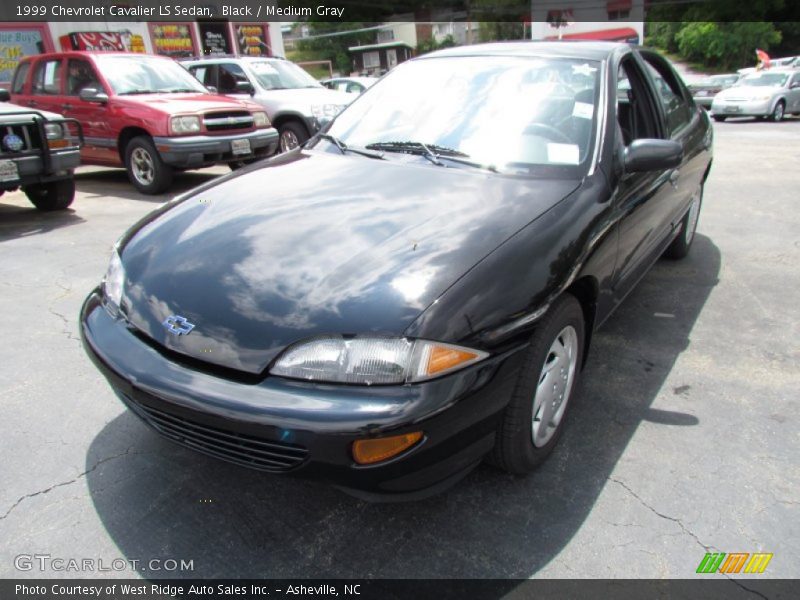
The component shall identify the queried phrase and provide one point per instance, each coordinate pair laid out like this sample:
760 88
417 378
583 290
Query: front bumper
302 428
31 168
190 152
742 108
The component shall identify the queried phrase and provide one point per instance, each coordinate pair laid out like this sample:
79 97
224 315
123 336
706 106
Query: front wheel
534 418
54 195
777 112
292 135
681 245
146 170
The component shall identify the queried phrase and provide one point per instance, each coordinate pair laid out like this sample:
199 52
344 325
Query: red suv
143 112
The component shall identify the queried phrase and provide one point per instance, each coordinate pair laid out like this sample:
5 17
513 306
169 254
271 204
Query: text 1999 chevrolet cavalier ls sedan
416 289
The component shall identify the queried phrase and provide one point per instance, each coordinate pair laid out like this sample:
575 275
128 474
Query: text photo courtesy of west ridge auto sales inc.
459 299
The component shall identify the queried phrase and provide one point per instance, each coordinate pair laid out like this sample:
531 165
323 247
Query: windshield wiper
132 92
344 148
178 90
432 152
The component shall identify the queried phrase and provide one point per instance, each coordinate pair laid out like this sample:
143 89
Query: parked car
704 90
421 288
143 112
772 93
297 104
39 151
350 85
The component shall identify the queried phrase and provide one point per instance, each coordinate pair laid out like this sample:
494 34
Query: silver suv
295 102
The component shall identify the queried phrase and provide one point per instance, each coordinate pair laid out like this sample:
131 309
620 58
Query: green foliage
493 31
725 45
430 44
334 47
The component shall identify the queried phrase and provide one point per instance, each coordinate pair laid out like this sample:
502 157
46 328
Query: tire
681 245
719 118
778 112
521 444
146 170
54 195
292 134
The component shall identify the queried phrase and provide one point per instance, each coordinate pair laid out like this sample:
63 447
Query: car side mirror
93 95
652 155
212 89
5 95
245 87
795 85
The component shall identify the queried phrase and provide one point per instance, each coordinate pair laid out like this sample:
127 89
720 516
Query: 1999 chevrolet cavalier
416 289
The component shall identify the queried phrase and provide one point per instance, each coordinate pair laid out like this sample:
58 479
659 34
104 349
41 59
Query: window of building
386 35
372 60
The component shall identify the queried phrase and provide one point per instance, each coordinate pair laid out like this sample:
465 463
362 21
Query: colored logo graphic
736 562
178 325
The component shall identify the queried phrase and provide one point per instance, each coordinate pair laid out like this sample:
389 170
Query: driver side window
634 113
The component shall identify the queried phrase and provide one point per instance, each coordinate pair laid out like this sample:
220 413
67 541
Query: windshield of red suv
146 75
281 75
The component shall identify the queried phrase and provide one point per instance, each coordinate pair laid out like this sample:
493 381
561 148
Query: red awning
613 5
609 35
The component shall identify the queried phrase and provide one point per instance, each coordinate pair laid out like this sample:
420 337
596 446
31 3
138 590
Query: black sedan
416 289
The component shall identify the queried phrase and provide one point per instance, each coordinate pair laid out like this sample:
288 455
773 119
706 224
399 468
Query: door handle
31 102
68 106
674 176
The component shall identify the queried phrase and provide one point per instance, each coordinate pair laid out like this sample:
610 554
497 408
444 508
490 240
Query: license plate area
8 171
732 109
239 147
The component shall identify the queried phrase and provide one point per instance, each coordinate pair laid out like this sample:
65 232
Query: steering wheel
547 131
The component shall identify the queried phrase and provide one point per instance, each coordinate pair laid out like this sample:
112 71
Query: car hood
748 91
314 243
186 103
8 107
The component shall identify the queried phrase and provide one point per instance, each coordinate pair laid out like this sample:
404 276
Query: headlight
326 110
372 360
190 124
114 281
260 119
53 131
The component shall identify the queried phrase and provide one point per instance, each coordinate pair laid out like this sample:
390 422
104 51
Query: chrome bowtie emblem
177 325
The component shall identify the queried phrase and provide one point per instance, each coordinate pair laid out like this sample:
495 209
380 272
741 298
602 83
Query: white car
773 93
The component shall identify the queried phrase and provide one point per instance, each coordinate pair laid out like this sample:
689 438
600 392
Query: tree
725 45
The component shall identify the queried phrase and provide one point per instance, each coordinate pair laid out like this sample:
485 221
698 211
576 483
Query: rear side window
47 77
18 85
229 75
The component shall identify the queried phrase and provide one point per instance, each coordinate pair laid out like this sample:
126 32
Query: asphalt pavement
683 438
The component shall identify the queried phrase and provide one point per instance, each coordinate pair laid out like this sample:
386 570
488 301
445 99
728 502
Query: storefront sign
14 44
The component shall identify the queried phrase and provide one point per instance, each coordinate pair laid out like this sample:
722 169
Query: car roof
589 50
226 58
91 53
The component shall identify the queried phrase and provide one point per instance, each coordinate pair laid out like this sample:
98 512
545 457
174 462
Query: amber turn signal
57 143
367 452
444 358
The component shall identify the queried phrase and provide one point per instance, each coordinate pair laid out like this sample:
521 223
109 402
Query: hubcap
691 222
779 112
289 141
142 166
555 386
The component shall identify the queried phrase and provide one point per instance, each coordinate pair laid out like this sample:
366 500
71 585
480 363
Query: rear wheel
54 195
534 418
147 172
681 245
778 112
292 135
719 118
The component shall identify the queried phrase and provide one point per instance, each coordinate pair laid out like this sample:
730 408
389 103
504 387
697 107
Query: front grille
244 450
28 133
222 121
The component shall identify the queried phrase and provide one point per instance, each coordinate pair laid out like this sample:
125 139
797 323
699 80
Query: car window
676 107
635 118
796 78
80 75
229 75
204 74
354 88
47 77
19 78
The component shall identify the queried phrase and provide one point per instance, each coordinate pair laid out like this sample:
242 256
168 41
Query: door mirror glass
245 87
93 95
652 155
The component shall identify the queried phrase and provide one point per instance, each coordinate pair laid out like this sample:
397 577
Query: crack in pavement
64 483
687 532
65 330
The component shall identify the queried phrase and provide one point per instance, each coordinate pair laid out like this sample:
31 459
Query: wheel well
125 136
281 120
585 291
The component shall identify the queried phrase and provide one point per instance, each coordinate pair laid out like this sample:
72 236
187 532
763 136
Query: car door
686 124
793 94
640 198
100 143
47 85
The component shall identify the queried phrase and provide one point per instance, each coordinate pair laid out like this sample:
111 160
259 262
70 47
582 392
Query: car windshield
515 115
765 79
144 75
281 75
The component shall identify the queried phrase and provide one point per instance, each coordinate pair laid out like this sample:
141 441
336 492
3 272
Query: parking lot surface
683 438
